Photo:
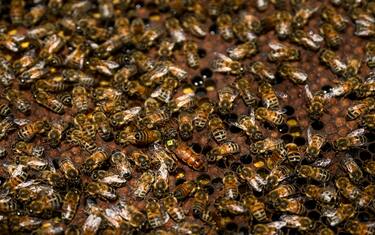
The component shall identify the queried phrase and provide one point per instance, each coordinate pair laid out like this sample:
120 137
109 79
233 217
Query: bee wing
92 223
220 63
357 132
370 78
335 91
308 92
294 219
276 46
281 95
277 224
134 111
323 162
309 135
315 37
21 122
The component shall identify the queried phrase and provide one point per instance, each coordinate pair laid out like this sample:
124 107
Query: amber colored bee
184 190
357 227
103 124
268 96
41 31
77 58
135 217
256 207
76 76
247 174
165 50
45 204
293 73
271 228
354 171
333 17
302 223
80 98
52 45
278 174
125 116
366 196
268 145
20 103
70 204
24 62
224 24
315 173
30 149
155 216
282 191
17 175
242 51
48 101
6 126
52 178
331 36
340 214
123 75
302 16
243 85
17 11
101 190
193 26
174 210
293 155
30 130
33 162
121 164
322 194
227 96
223 64
230 185
361 108
4 109
34 73
283 26
202 112
291 205
9 43
332 61
70 172
348 86
225 149
92 222
141 159
108 177
267 115
346 188
367 88
315 143
165 157
316 102
144 184
175 30
149 37
185 125
353 139
364 27
95 161
187 155
156 74
166 90
112 44
190 49
7 205
105 67
231 206
281 52
308 40
261 71
217 129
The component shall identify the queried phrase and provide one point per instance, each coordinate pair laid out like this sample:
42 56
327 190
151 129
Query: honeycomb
203 82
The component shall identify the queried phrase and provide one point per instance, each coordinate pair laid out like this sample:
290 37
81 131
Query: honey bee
76 76
353 66
101 190
268 145
283 26
224 24
52 178
69 170
261 71
369 167
123 75
281 52
271 116
25 223
48 101
340 214
230 185
45 205
17 11
346 87
53 226
144 184
173 209
30 130
353 139
20 103
7 205
293 73
122 165
165 50
243 85
315 173
166 90
103 124
33 162
105 67
225 149
370 54
202 112
187 155
302 16
77 58
184 190
9 43
155 216
268 96
332 61
367 88
70 204
17 175
92 222
52 45
144 137
356 227
293 155
315 143
193 26
278 174
354 171
242 51
185 125
308 40
333 17
364 27
281 191
366 196
291 205
271 228
175 30
231 206
245 28
360 108
190 49
200 203
125 116
165 157
302 223
6 126
7 75
368 121
317 102
248 175
34 73
80 98
134 217
25 62
108 177
112 44
326 195
217 129
4 109
331 36
149 37
161 184
256 207
223 64
346 188
227 96
95 161
41 31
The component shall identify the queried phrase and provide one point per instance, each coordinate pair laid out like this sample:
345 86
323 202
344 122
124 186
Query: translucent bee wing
324 162
281 95
309 135
134 111
276 46
357 132
111 64
277 224
221 62
92 223
308 92
336 91
315 37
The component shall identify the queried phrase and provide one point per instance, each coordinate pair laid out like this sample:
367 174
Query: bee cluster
187 117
